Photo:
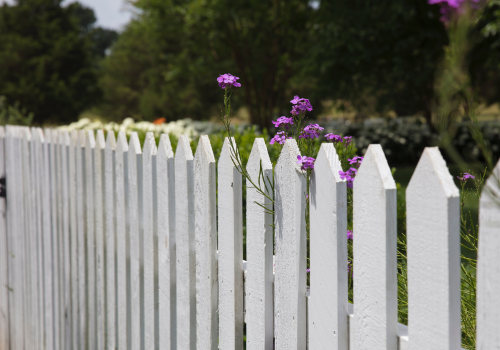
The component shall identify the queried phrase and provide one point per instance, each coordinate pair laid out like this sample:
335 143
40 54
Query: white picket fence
107 245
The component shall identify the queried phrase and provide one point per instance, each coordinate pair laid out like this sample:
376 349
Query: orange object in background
159 121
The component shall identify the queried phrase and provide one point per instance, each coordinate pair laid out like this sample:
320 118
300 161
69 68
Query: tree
48 59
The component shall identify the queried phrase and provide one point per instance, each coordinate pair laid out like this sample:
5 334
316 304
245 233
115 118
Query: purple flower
349 234
308 270
306 162
347 140
283 121
300 105
355 160
333 137
348 176
311 131
280 138
465 177
227 80
452 7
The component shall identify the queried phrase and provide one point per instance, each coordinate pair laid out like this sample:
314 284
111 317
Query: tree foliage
48 58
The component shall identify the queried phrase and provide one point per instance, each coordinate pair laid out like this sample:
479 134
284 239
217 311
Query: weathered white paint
230 244
148 307
109 233
259 242
206 246
374 250
90 235
165 221
185 257
4 282
488 271
81 213
133 181
433 241
290 251
73 149
327 305
120 191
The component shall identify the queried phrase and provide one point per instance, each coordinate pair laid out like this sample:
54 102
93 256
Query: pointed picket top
165 147
64 138
204 152
227 155
37 135
488 273
100 140
374 250
121 143
90 141
258 156
134 145
433 241
82 134
110 140
74 138
327 307
183 151
432 168
149 147
290 243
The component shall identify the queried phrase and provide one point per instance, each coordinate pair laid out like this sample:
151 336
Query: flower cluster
306 163
349 234
311 131
346 140
452 7
280 138
300 105
355 160
465 177
228 80
348 176
283 121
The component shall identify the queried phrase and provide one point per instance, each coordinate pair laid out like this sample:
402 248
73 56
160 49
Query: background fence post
4 269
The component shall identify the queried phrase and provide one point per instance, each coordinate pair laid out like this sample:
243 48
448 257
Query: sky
112 14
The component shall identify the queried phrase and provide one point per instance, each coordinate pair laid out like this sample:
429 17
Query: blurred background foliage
354 59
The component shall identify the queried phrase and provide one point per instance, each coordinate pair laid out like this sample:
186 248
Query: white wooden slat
109 232
73 216
185 259
488 271
35 148
90 236
29 247
81 212
4 282
134 302
65 204
121 157
327 305
99 238
60 266
165 194
230 244
433 241
259 242
148 290
374 250
290 251
14 234
206 245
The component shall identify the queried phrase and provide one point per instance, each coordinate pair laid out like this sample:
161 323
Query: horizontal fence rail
105 244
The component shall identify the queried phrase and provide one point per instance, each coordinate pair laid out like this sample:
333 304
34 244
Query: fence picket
290 251
433 240
230 244
185 259
165 221
374 250
206 246
120 192
133 181
81 212
488 275
109 234
74 147
4 270
327 306
259 242
148 306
